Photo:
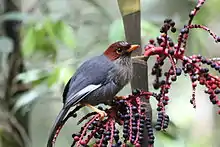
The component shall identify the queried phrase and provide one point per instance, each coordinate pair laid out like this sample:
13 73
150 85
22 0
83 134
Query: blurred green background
57 35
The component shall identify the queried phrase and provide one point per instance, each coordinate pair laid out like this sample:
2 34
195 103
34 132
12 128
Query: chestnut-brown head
119 49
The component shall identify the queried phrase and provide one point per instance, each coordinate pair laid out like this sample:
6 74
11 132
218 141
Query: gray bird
97 81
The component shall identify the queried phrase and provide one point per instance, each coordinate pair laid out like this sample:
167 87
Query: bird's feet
100 112
120 97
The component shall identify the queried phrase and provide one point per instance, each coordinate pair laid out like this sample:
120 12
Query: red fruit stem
91 134
106 128
192 15
159 50
165 40
130 120
193 95
138 122
195 11
85 128
56 135
85 117
112 132
146 94
172 63
198 26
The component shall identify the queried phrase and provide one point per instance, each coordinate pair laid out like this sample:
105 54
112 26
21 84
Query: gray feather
112 76
76 98
56 125
96 81
91 72
122 74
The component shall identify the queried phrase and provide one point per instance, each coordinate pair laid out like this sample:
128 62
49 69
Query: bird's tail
56 127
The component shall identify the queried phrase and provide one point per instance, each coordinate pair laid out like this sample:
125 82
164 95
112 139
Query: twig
15 124
140 58
12 28
15 58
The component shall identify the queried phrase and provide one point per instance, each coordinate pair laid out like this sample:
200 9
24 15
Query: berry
173 30
218 39
158 127
178 71
171 52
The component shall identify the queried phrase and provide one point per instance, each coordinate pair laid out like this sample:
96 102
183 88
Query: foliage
49 71
44 37
129 112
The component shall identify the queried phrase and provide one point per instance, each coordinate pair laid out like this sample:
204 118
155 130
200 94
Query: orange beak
133 47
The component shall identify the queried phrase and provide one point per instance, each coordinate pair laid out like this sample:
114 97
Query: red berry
219 104
82 142
202 82
218 39
137 145
151 41
194 84
214 86
76 138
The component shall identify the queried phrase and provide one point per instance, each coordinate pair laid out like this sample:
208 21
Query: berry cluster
127 122
132 118
162 121
196 67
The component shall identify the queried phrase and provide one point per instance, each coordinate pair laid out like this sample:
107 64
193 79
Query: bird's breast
122 73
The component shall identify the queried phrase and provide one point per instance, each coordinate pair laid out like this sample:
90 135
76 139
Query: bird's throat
123 70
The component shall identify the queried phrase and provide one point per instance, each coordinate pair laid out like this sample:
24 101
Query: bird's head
120 49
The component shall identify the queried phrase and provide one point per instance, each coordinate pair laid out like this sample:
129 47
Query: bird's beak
133 47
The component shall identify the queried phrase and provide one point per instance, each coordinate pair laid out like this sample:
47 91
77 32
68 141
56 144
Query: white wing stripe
82 93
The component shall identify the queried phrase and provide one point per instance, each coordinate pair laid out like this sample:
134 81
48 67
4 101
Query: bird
97 81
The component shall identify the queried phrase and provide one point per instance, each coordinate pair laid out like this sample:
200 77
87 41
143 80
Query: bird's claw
100 112
120 97
102 115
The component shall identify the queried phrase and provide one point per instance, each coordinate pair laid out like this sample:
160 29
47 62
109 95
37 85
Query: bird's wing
73 98
66 89
80 95
91 75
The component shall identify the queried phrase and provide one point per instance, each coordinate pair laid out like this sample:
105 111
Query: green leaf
46 40
65 33
54 77
31 75
48 50
40 80
65 74
29 42
5 44
48 28
30 96
116 31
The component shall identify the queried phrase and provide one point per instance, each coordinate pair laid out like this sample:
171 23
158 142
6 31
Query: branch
15 125
12 31
140 58
15 66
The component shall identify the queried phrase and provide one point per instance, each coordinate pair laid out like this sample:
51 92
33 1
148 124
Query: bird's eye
118 50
